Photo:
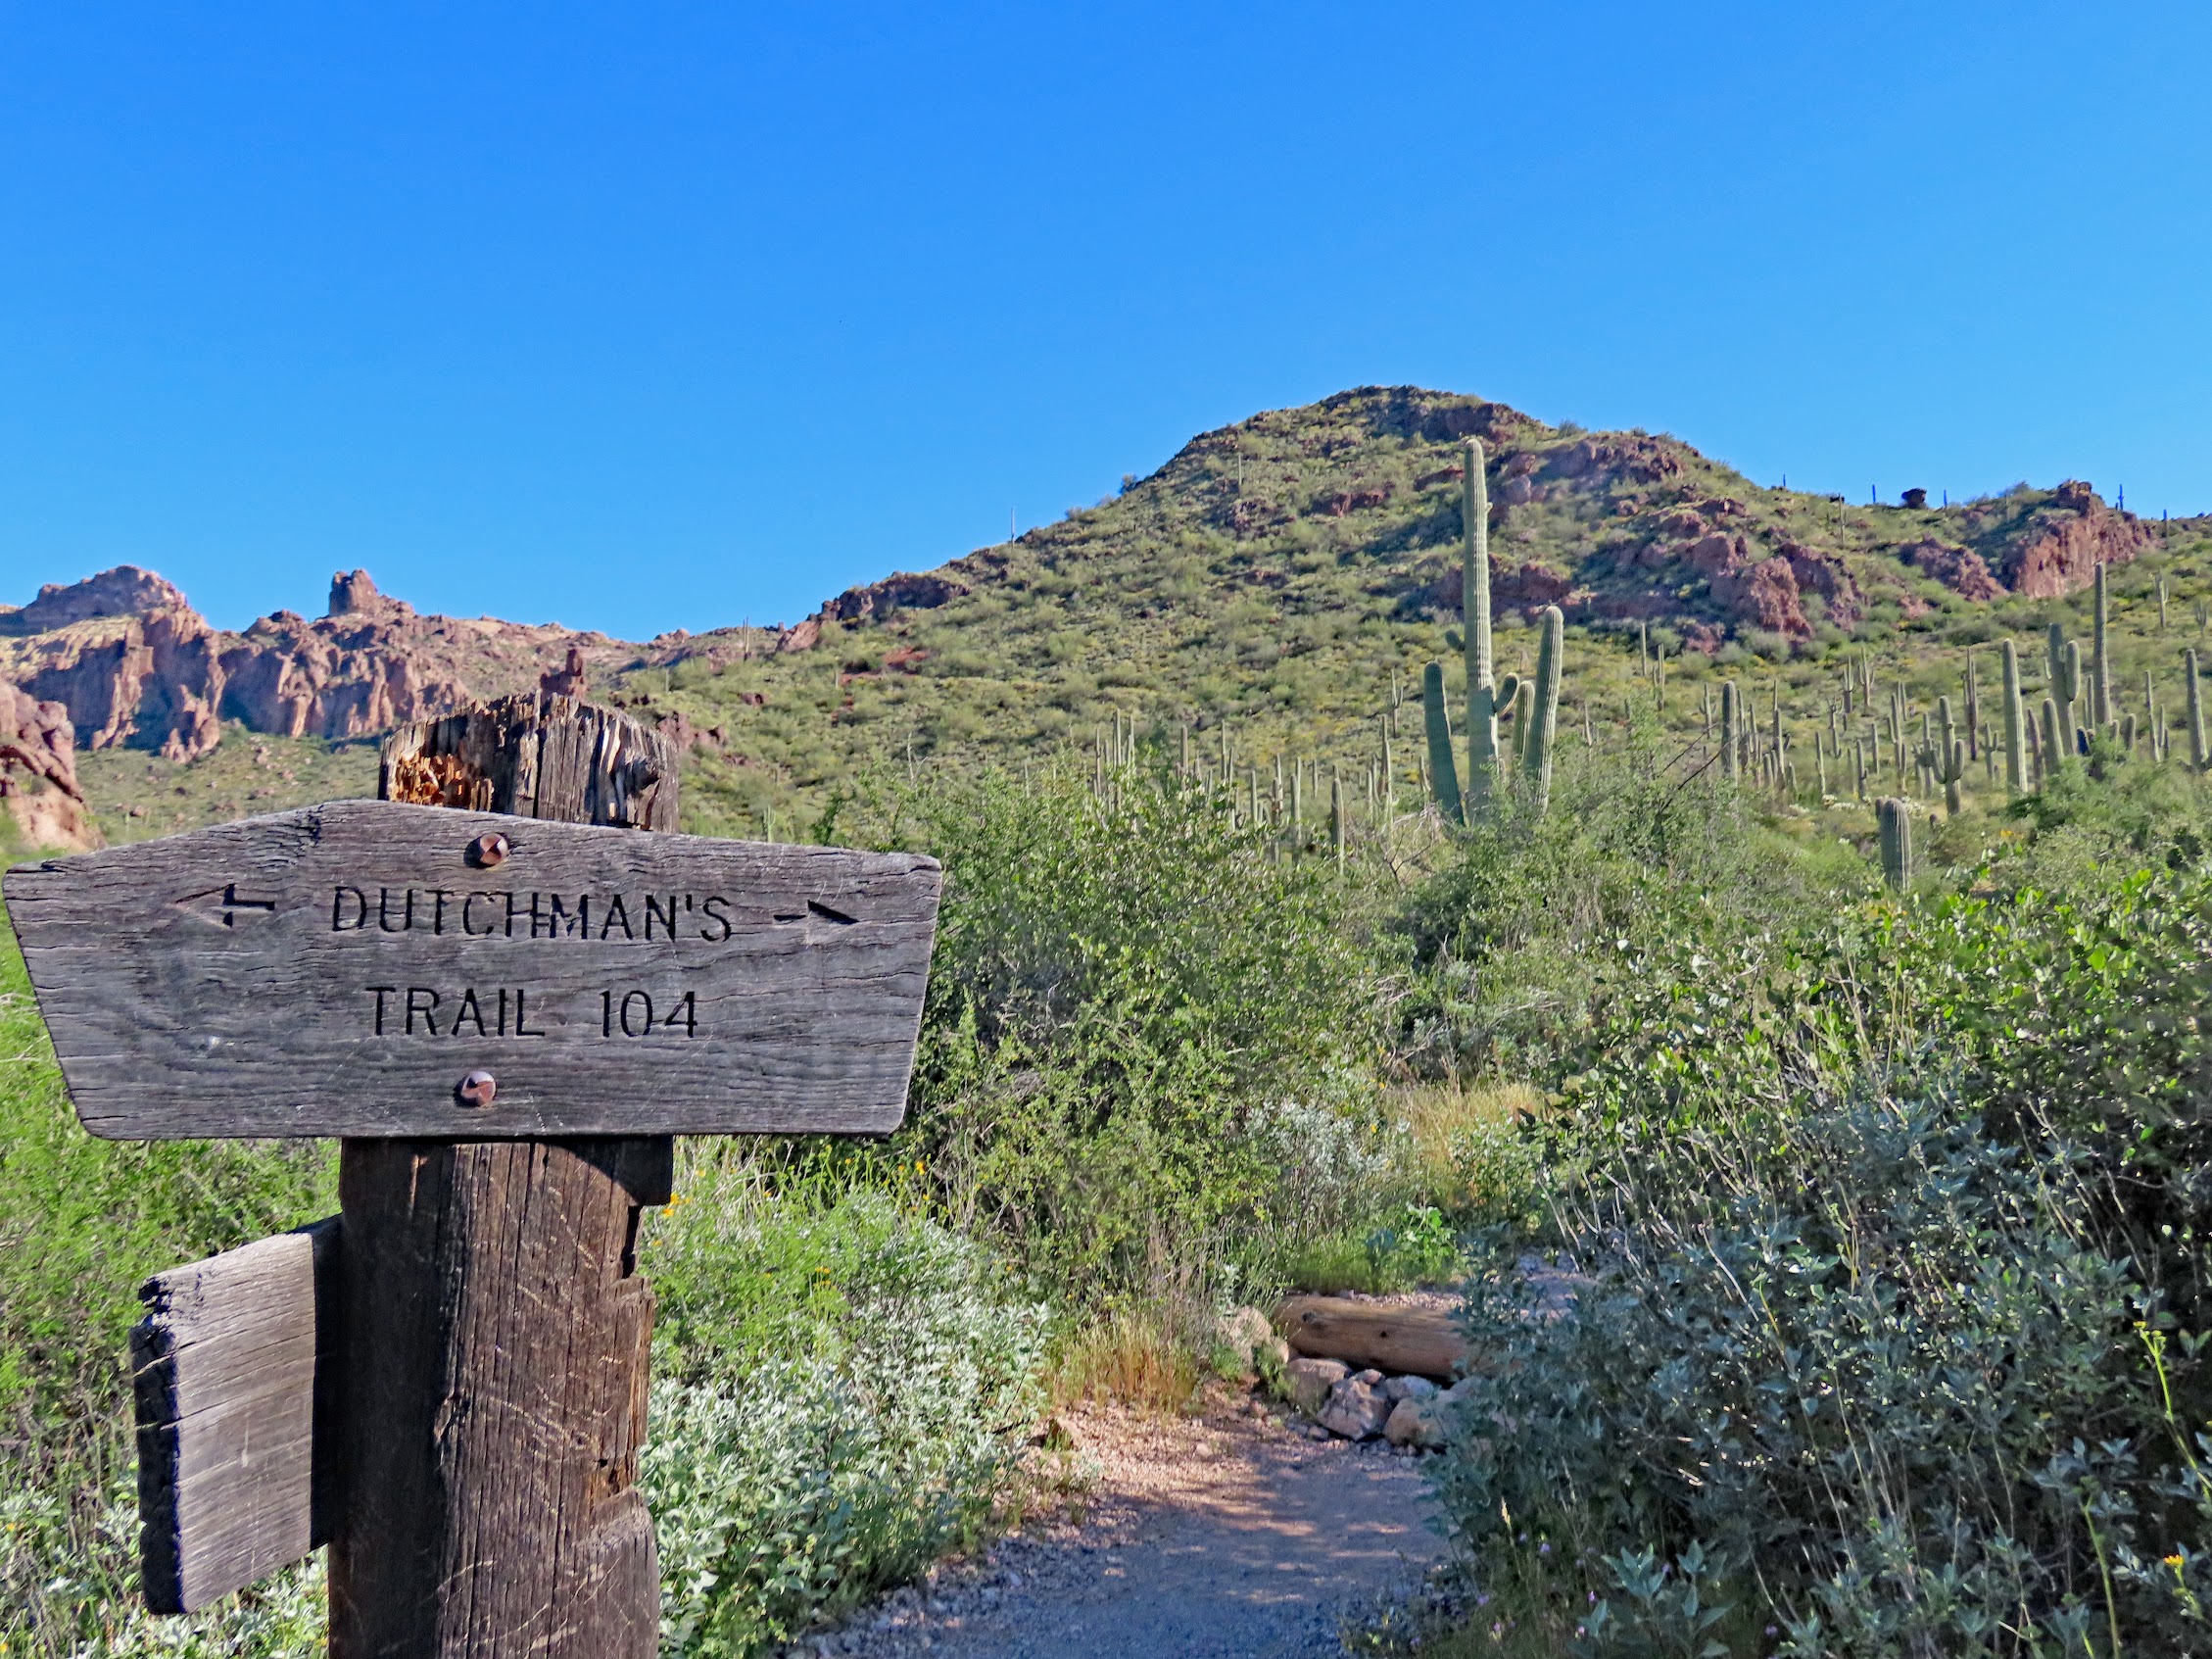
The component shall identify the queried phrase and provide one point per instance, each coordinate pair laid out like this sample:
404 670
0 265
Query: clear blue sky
653 316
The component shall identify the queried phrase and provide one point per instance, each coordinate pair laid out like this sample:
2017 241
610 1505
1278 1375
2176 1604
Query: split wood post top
497 1331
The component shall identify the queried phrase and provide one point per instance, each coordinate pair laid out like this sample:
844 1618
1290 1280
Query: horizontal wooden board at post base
344 970
231 1369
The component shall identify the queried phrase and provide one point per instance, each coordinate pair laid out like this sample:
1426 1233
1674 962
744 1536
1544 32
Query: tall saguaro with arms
505 1000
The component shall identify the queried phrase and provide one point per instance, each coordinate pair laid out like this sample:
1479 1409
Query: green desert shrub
1885 1239
1127 999
1867 1383
1513 934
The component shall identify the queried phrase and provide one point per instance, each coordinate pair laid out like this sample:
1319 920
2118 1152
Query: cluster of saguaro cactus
2063 663
1533 704
1943 757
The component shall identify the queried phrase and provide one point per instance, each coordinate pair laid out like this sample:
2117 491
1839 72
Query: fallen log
1387 1336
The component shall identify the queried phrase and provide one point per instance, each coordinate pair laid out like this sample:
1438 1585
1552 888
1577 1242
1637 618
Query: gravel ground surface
1228 1535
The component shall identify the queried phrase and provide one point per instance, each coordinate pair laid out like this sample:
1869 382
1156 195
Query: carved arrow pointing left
221 907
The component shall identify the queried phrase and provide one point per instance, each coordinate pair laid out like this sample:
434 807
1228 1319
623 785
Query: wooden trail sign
343 969
506 1003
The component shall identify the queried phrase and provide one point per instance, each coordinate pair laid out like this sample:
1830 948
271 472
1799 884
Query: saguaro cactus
1544 707
1443 773
1390 771
1731 737
1973 712
2195 700
1948 760
2062 695
2015 726
1895 824
1482 697
2100 661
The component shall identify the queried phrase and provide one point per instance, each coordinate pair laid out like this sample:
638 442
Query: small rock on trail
1232 1537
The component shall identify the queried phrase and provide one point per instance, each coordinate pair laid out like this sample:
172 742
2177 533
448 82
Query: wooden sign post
506 1005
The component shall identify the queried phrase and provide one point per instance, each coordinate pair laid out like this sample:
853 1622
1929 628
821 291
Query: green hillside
1285 577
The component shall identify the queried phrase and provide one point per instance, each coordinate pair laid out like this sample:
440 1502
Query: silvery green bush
844 1386
1858 1380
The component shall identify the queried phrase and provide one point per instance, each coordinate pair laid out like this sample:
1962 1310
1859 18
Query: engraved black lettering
468 1010
381 992
469 903
438 915
510 915
424 1000
684 1015
666 918
642 1004
561 921
521 1014
384 912
338 922
616 917
503 1013
551 924
719 924
606 1013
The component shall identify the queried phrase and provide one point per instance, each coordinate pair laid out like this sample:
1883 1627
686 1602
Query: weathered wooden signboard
366 968
505 993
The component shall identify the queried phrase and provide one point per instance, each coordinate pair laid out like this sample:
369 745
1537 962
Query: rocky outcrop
1527 585
2057 549
38 787
570 679
1341 504
1825 574
1958 568
1764 595
125 591
1615 458
897 591
133 662
152 676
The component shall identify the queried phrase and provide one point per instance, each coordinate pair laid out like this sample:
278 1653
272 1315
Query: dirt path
1223 1536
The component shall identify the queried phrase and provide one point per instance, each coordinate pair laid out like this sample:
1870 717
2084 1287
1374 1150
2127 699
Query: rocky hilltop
1285 574
1613 527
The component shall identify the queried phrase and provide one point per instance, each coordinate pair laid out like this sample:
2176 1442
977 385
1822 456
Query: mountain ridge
1324 536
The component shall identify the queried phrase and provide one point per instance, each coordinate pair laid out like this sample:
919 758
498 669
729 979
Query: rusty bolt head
488 849
478 1089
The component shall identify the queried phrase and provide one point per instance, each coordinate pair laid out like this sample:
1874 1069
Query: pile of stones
1354 1405
1359 1405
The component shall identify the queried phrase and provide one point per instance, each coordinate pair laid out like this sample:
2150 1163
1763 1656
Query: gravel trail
1228 1535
